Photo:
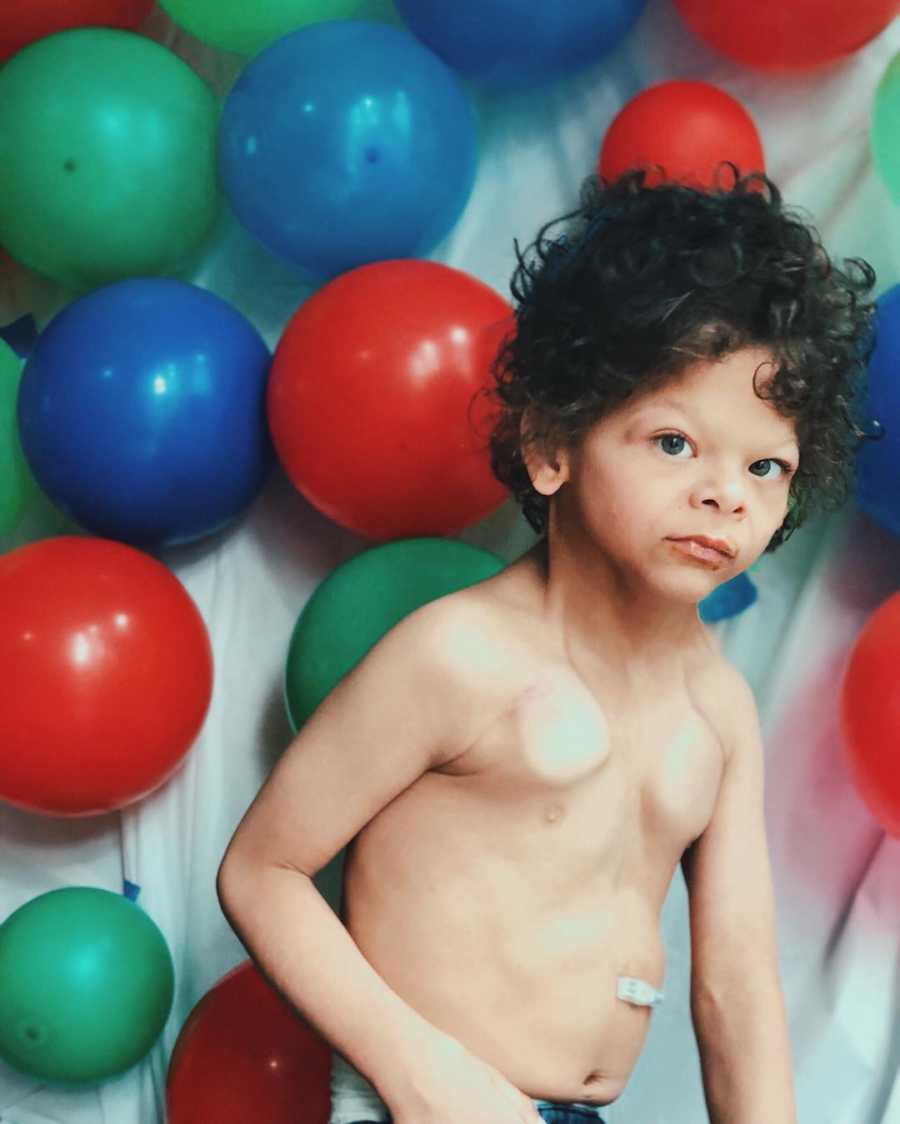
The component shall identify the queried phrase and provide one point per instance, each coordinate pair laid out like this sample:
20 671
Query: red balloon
243 1054
688 128
369 397
870 714
787 34
106 673
24 21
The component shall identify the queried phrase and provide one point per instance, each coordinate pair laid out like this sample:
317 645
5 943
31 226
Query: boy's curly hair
647 281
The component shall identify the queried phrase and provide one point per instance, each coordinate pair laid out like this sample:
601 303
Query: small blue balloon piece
347 142
130 890
505 43
878 462
20 335
142 412
728 599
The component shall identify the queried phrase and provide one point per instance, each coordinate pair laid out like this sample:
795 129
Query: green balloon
247 28
885 135
108 151
362 600
17 485
86 985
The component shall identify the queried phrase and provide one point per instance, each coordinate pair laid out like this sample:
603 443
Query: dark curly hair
647 280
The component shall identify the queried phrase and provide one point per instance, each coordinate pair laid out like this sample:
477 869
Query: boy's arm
737 1005
404 709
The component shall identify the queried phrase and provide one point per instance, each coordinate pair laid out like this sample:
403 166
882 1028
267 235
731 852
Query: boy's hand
453 1084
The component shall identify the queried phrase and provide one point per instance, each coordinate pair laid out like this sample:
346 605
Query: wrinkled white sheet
837 873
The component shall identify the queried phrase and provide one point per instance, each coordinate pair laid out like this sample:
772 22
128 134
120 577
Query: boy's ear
548 468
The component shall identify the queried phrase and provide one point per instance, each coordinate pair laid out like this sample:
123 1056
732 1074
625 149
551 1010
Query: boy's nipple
553 811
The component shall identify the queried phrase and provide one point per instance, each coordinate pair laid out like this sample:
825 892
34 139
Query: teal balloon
86 985
885 131
248 28
108 158
17 485
362 600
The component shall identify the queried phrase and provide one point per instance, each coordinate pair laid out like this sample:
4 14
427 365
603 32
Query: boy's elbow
239 878
233 878
223 883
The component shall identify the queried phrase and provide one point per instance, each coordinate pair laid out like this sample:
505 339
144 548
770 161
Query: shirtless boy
517 768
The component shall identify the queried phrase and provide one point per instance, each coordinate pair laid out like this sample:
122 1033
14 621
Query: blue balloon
878 462
347 142
728 599
142 412
508 43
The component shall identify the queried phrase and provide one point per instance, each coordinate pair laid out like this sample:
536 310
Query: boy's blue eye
770 460
670 437
677 437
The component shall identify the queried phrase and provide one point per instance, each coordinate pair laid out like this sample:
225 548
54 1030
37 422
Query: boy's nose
726 495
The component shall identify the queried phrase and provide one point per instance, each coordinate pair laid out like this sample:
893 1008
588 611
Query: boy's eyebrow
673 404
666 403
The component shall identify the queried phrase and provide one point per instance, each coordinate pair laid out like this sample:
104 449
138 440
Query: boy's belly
518 958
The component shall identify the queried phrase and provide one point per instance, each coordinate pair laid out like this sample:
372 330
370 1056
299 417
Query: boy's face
700 455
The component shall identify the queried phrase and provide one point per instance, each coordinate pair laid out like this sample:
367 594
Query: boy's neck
596 613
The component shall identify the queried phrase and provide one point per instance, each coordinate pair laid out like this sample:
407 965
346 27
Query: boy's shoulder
475 631
473 656
721 691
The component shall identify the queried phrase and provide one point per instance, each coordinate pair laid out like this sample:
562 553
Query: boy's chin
694 584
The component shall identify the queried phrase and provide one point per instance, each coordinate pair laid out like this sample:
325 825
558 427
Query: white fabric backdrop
837 873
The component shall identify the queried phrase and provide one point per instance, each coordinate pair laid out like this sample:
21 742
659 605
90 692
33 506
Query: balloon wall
704 125
108 141
372 399
254 275
16 481
86 985
24 21
142 412
107 670
490 41
357 168
243 1053
798 35
878 463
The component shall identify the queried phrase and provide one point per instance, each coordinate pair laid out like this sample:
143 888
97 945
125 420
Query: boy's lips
705 548
722 545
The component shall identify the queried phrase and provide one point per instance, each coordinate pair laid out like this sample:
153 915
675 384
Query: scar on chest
560 723
684 737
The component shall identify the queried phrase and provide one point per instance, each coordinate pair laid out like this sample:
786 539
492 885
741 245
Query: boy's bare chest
646 764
